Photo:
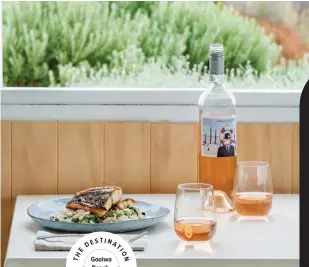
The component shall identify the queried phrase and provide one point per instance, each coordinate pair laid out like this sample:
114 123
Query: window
56 59
154 44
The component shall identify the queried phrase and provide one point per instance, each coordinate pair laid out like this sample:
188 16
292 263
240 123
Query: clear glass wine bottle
217 128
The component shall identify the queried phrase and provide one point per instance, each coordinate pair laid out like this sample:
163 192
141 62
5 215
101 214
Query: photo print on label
219 137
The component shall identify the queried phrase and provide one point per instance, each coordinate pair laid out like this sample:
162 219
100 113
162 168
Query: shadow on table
185 247
253 219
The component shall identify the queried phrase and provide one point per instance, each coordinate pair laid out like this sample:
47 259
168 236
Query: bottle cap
216 49
216 59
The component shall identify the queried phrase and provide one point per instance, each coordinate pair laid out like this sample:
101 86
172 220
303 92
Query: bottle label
218 137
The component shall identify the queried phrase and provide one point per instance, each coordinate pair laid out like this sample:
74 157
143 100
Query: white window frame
142 104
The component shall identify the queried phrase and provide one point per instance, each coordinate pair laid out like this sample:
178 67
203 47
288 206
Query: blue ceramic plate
42 211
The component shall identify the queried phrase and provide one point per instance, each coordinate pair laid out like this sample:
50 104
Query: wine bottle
217 108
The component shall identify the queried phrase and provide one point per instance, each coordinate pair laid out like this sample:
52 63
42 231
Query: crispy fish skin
82 192
97 200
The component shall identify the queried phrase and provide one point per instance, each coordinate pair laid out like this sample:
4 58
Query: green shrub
137 6
154 73
208 23
40 36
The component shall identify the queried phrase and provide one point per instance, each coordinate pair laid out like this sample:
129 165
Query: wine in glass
194 216
253 191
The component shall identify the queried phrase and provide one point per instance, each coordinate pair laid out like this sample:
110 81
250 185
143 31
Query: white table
236 243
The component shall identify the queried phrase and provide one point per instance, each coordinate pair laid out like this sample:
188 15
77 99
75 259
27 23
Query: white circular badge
101 249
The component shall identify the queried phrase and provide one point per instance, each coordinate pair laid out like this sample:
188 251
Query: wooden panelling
127 156
132 154
6 208
173 156
271 143
80 149
34 158
295 160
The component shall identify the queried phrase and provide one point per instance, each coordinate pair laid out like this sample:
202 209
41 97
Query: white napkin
53 241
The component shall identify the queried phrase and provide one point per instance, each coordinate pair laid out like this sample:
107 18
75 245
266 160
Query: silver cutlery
137 237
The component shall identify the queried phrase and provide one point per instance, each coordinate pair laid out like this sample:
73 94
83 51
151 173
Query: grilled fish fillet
97 200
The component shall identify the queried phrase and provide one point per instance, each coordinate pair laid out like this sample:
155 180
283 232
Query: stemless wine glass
195 212
253 189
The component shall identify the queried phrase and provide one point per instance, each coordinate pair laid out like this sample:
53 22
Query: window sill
115 104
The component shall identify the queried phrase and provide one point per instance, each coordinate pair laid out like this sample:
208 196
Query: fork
137 237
